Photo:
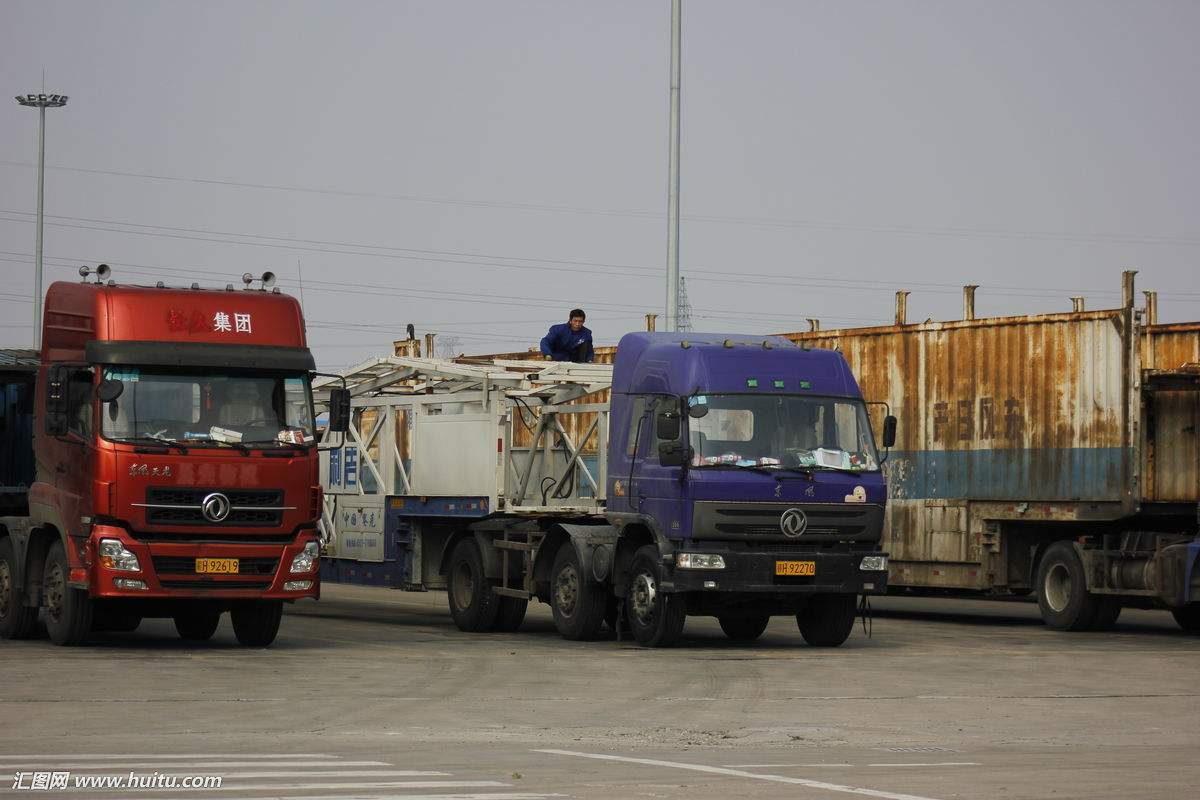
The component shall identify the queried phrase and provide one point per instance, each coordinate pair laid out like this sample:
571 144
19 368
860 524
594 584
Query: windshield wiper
842 470
158 441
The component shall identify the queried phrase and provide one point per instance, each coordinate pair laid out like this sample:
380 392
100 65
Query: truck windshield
781 431
217 407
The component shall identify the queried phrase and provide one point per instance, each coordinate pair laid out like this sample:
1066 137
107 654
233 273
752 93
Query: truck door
657 490
70 444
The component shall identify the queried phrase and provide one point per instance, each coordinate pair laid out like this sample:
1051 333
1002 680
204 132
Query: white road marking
159 756
471 796
736 773
933 764
205 765
781 766
319 786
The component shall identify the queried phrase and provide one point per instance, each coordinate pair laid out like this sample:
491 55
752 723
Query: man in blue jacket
569 341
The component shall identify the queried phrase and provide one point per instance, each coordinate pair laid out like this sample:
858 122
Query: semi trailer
727 476
1054 454
159 460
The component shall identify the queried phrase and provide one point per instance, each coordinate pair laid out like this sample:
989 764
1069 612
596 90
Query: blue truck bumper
756 573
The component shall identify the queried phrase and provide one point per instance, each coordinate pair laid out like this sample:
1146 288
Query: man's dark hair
577 312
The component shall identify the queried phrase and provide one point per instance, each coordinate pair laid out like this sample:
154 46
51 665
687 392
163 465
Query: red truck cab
176 465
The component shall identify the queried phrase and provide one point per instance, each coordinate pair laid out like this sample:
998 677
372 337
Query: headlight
873 564
305 561
113 555
699 561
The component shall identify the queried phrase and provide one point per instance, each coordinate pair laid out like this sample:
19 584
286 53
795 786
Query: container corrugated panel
1172 457
1010 408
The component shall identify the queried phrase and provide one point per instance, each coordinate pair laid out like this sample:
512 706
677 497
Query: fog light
873 564
129 583
305 561
699 561
113 555
297 586
710 584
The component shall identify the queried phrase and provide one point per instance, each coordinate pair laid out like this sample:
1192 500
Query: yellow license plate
794 569
217 566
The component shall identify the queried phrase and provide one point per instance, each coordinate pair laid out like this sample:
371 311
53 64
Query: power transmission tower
684 310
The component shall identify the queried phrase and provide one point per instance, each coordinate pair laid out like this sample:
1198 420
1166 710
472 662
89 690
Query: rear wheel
578 605
472 602
68 610
744 629
17 621
197 625
257 624
1063 598
1188 617
655 617
827 619
510 614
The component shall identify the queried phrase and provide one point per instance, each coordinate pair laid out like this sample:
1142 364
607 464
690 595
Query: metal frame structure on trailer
455 411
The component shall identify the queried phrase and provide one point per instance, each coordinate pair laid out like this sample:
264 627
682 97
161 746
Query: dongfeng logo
215 507
793 522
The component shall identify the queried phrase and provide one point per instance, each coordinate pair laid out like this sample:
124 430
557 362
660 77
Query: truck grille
186 565
760 522
249 508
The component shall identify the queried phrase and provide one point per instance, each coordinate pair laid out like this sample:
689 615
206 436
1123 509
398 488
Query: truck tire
1062 594
1188 617
256 624
744 629
827 619
1108 609
578 606
656 618
472 602
68 610
17 621
510 614
197 624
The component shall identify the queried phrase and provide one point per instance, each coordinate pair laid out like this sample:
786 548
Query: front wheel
827 619
578 606
68 610
1188 617
744 629
257 624
655 617
17 621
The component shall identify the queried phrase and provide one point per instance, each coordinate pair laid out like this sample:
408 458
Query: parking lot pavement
373 693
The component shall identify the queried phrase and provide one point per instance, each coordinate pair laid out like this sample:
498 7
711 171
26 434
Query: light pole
41 102
673 175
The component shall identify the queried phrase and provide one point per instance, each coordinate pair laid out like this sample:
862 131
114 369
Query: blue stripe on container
1041 474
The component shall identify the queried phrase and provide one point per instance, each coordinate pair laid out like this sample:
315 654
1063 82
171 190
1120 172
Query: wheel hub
1058 587
55 593
566 590
5 588
644 596
463 586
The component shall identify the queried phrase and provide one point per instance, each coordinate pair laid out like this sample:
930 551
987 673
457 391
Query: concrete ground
373 693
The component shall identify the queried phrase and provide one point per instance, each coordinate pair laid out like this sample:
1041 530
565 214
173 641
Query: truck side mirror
56 402
889 431
110 389
339 410
673 454
667 425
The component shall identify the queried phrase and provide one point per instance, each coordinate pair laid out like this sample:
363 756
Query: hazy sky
478 168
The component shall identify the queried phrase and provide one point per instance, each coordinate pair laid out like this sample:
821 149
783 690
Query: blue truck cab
744 481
